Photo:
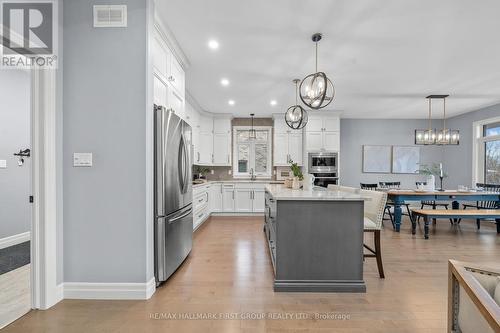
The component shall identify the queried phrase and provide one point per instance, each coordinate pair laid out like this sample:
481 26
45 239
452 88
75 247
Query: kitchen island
315 239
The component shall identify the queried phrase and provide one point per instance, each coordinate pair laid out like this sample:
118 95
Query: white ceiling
383 57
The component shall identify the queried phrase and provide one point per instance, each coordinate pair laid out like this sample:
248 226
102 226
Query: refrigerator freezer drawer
173 242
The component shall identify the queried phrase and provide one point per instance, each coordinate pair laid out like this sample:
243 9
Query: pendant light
252 134
432 136
316 90
447 136
428 136
295 116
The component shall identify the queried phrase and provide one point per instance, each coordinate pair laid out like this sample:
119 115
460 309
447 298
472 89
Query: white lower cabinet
215 198
243 200
227 198
259 200
201 205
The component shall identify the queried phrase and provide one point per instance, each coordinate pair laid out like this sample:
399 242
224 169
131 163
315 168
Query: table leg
426 227
455 205
498 225
397 214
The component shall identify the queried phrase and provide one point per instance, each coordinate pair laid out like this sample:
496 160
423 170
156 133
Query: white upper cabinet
161 58
280 125
323 133
280 149
160 91
287 143
176 103
176 77
170 73
222 141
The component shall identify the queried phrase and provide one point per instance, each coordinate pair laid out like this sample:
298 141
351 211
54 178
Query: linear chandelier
432 136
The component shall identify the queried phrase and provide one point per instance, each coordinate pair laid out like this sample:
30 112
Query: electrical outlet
3 164
212 171
229 172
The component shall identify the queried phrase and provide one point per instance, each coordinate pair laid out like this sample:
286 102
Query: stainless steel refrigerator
173 225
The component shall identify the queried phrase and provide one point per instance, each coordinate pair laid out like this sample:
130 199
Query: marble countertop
280 192
239 181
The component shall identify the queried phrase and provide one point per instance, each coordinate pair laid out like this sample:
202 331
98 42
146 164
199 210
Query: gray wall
104 105
354 133
458 159
15 215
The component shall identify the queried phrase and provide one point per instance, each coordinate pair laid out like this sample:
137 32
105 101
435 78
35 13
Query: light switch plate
82 159
3 164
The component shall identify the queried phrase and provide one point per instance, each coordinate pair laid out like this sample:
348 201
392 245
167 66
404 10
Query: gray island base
315 239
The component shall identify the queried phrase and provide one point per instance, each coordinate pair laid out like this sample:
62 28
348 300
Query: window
252 155
487 151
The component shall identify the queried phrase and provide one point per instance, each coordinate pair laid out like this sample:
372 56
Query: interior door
15 190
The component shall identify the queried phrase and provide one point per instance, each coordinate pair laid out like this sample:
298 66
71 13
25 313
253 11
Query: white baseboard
14 240
110 291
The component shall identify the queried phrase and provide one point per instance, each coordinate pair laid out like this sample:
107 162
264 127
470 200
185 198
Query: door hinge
31 199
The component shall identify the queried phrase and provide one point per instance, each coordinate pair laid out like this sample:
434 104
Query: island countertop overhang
280 192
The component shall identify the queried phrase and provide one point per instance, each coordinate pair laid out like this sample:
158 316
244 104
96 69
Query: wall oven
325 179
323 162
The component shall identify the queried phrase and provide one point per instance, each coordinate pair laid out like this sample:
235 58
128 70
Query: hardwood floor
229 271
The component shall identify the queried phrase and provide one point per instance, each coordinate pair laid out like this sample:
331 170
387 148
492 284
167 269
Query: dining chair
372 222
432 203
387 209
390 202
484 204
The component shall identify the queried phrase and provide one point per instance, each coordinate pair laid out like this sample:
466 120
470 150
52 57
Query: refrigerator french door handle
180 164
186 162
181 216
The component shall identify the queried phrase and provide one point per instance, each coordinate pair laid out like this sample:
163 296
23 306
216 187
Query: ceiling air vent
110 16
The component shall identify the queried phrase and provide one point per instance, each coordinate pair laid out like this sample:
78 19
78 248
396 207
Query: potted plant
297 175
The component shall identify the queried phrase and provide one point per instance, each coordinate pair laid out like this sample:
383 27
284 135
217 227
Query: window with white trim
487 151
252 155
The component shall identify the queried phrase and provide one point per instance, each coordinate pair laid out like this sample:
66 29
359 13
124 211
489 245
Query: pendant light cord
444 114
430 115
296 93
316 57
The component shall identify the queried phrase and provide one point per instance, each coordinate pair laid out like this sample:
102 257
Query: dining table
399 197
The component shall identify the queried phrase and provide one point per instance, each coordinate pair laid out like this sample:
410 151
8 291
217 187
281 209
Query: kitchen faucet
252 174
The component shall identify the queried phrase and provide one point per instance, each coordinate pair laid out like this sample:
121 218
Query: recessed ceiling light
230 102
224 82
213 44
273 102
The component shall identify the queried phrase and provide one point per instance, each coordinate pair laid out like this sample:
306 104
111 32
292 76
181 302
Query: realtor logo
28 34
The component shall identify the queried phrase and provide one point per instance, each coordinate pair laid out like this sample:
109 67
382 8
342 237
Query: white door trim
14 239
45 291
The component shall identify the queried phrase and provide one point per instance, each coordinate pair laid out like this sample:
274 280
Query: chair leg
451 220
478 222
409 213
378 254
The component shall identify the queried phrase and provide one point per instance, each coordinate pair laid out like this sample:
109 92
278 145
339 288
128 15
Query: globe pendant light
316 90
296 116
252 134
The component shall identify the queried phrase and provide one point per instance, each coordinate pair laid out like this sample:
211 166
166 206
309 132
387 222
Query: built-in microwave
323 162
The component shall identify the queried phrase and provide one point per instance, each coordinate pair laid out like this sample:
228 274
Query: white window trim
238 175
478 148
